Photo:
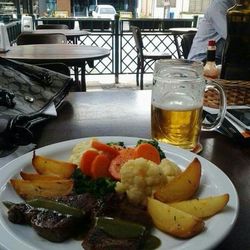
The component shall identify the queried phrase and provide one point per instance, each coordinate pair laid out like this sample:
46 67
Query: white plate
213 182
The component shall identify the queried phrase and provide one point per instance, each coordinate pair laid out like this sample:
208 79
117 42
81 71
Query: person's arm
217 15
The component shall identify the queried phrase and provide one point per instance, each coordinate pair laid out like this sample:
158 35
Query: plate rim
5 170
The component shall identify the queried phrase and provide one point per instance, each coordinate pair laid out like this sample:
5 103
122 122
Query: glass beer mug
177 103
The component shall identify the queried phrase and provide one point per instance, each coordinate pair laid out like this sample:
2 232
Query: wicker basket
237 93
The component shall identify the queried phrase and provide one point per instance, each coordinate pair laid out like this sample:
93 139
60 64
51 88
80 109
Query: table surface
182 30
127 113
55 52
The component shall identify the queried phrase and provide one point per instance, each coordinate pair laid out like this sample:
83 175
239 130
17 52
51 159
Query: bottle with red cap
210 69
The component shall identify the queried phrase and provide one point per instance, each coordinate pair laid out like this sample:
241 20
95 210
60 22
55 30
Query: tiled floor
103 82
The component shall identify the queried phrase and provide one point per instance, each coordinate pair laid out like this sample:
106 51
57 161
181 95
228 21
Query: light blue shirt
212 27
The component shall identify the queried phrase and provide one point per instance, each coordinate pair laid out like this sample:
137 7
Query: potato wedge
34 189
202 208
47 166
183 186
174 221
34 176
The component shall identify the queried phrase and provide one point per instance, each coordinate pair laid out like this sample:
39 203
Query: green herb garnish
119 143
98 187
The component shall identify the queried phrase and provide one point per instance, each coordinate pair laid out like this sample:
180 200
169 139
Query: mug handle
222 107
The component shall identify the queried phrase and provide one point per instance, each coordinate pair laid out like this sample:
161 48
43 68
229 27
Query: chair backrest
186 42
138 39
52 26
29 38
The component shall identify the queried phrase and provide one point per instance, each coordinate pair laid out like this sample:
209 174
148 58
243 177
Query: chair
144 58
186 43
29 38
52 26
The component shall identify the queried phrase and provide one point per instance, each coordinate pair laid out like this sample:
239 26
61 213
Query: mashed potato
79 149
140 177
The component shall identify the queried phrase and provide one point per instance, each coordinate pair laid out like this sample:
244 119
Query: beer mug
177 103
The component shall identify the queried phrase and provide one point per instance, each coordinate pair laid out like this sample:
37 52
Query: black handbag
26 91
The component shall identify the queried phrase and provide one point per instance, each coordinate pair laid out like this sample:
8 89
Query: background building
138 8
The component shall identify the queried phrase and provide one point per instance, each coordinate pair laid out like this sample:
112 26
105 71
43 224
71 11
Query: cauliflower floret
139 177
169 169
79 149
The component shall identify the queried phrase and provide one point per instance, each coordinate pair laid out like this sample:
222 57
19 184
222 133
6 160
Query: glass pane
106 11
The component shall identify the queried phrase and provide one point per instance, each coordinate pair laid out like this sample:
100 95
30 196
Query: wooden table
127 113
70 54
177 33
71 34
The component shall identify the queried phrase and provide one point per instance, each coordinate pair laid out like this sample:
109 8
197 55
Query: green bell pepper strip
56 206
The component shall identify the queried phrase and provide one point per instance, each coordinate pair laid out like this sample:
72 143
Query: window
107 11
198 6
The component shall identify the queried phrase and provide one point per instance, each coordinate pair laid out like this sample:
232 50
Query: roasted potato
40 188
174 221
35 176
47 166
203 208
183 186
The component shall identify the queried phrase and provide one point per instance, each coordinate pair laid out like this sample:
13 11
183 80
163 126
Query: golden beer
180 127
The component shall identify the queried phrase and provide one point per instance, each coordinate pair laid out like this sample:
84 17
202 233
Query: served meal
111 196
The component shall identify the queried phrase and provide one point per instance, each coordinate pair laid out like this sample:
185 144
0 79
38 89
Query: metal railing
116 36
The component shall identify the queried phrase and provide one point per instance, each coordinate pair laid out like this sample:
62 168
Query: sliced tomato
116 164
86 161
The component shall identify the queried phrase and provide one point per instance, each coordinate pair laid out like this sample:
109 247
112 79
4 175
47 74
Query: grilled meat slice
86 202
97 239
21 213
54 226
57 227
118 206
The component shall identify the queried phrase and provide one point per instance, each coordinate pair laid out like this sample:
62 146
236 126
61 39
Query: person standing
167 6
212 27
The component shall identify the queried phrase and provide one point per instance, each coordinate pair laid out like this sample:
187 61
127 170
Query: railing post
195 21
116 49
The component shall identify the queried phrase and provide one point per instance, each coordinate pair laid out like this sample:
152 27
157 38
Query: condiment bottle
210 69
236 55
